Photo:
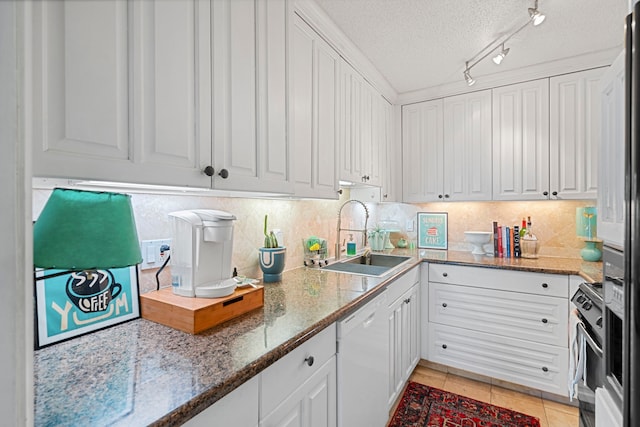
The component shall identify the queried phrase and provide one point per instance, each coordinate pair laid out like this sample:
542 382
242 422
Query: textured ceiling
417 44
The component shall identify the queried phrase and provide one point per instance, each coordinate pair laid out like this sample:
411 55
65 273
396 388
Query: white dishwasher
363 366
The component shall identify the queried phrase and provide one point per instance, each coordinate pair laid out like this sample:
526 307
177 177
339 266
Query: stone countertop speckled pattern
141 373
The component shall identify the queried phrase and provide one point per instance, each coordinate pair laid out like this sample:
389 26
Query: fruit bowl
478 239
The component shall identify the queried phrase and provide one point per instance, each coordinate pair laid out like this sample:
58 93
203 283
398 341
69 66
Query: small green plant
270 240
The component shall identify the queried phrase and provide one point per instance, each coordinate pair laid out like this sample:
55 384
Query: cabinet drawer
402 284
541 366
556 285
283 377
530 317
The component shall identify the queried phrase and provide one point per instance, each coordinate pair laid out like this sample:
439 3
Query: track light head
499 57
467 76
536 16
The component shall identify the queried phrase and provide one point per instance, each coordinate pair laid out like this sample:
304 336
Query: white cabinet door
574 134
238 408
118 94
395 350
467 147
362 129
404 340
391 156
171 87
422 151
611 166
521 141
80 88
313 404
314 105
249 95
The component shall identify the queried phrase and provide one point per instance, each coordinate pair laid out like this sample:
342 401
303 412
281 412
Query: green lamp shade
83 230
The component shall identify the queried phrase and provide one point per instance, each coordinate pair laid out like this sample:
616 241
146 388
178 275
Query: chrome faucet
339 229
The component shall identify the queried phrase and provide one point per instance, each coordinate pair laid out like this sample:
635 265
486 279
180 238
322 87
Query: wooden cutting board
194 315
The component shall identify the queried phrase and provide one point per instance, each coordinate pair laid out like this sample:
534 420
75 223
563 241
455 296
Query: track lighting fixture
535 17
499 57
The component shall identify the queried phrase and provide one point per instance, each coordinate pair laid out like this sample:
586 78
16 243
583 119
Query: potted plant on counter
271 256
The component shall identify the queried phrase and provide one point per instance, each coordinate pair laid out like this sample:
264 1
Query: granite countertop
141 373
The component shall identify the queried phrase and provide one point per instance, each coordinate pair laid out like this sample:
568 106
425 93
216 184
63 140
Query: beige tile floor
551 414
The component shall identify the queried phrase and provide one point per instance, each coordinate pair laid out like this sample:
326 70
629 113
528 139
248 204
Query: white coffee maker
201 249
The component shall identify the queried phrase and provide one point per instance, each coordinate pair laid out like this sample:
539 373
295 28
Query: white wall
16 333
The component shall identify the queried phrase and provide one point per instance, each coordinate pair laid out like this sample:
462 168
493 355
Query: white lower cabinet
313 404
518 361
504 324
531 317
300 389
404 332
238 408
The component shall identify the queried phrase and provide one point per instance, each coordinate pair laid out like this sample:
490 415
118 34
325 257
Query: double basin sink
375 265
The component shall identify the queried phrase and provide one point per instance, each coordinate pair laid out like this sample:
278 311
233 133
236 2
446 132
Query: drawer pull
544 285
444 346
309 360
444 304
545 369
544 320
444 274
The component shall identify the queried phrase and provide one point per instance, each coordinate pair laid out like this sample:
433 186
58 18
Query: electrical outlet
152 254
409 225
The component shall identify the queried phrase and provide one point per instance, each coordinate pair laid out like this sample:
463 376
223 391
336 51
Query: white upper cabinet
117 92
467 147
611 184
447 149
521 141
362 132
422 151
314 83
574 134
250 95
391 155
123 92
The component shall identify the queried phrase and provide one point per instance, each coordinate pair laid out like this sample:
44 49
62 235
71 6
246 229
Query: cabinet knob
444 346
444 274
209 171
309 360
544 285
384 196
340 191
440 196
446 196
545 369
544 320
223 173
555 193
444 304
407 301
545 193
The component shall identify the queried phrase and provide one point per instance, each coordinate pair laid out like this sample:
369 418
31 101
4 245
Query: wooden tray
194 315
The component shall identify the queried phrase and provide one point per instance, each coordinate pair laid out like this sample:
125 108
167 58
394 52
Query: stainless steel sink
380 265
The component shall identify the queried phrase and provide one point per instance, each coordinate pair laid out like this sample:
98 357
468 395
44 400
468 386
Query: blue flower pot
272 263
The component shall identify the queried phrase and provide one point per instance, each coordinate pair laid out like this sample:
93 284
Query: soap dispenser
351 246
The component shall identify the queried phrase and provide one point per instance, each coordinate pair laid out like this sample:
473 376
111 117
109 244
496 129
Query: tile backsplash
553 222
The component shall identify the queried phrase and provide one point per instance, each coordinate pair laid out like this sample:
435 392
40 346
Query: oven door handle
594 345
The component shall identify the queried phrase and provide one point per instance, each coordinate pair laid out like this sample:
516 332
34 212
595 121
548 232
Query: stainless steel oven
588 300
613 286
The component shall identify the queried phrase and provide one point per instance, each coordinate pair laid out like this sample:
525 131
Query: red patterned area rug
424 406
